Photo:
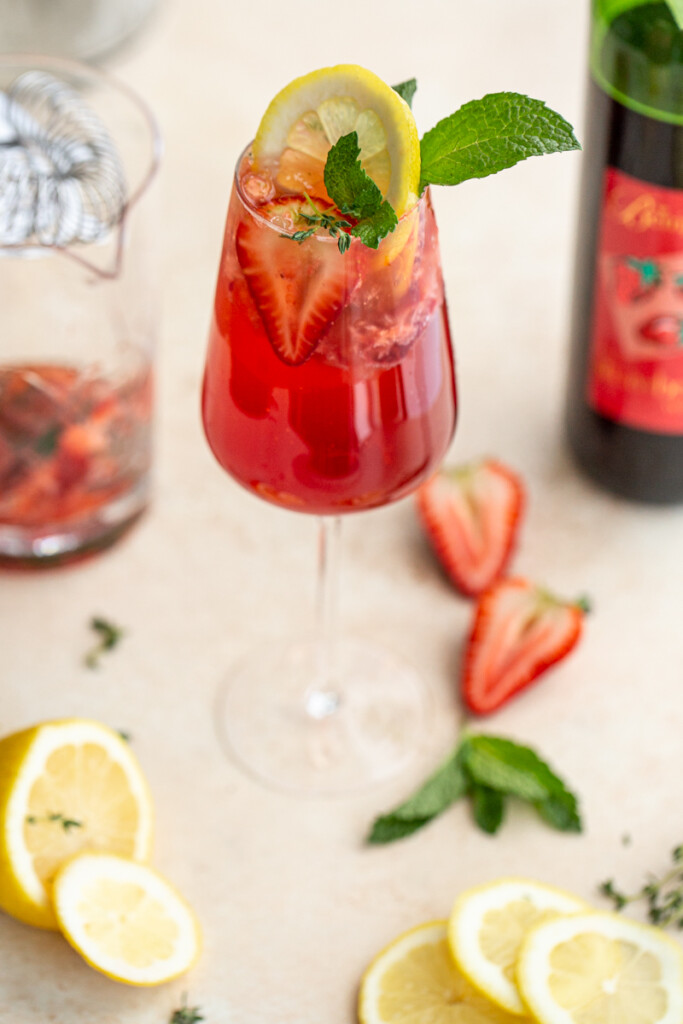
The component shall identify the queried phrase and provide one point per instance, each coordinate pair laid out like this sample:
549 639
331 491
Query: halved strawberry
298 288
519 631
471 515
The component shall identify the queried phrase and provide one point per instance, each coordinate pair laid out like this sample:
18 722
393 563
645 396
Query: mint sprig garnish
487 135
482 137
488 770
406 90
355 194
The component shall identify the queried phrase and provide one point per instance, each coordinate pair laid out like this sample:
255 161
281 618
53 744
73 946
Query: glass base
287 734
38 547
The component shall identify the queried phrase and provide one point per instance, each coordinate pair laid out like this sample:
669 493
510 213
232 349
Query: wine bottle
625 396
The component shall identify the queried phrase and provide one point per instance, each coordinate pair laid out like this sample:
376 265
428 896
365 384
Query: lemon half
487 925
416 979
311 113
65 786
125 919
597 967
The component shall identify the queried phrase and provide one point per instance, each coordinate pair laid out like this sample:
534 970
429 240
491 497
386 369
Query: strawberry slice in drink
471 515
519 631
299 288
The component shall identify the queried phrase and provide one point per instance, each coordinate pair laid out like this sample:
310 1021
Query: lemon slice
487 925
125 919
416 980
311 113
65 786
597 967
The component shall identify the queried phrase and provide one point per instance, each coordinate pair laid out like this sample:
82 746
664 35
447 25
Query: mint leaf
611 9
355 194
371 230
406 90
509 768
515 770
348 186
488 769
46 444
443 788
676 8
488 807
488 135
561 812
387 828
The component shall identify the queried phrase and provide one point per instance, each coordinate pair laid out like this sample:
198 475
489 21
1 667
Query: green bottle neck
636 56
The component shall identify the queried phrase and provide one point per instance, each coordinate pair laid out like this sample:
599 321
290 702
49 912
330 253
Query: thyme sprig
109 636
186 1014
664 895
328 220
66 823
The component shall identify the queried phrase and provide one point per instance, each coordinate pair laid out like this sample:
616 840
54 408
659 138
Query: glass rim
46 62
327 239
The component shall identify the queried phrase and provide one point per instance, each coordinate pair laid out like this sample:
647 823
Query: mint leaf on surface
388 828
355 194
488 807
516 770
509 768
406 90
488 769
487 135
560 811
444 787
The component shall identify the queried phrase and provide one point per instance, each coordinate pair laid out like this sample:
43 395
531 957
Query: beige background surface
292 903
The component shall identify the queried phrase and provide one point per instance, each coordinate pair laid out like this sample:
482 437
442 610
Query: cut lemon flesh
415 981
601 968
488 924
312 113
65 786
125 919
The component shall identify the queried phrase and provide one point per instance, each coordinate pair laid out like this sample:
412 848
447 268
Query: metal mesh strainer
61 178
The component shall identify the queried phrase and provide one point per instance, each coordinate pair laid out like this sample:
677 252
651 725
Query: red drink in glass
72 446
329 388
369 413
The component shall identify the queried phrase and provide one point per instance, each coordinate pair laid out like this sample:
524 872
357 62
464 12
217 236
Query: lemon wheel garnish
488 924
415 979
595 968
311 114
65 786
125 919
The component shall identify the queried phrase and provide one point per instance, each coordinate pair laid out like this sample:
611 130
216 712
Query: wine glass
329 389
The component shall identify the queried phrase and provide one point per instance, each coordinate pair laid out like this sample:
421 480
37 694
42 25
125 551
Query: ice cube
258 188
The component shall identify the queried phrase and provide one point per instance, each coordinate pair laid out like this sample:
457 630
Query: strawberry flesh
471 516
519 631
298 288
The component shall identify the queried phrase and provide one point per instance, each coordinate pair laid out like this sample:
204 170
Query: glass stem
322 699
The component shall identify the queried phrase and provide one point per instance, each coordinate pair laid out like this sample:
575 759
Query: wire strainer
61 178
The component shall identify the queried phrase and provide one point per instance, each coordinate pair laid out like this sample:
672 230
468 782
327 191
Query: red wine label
636 362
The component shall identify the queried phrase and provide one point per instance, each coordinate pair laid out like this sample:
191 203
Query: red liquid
69 444
370 414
